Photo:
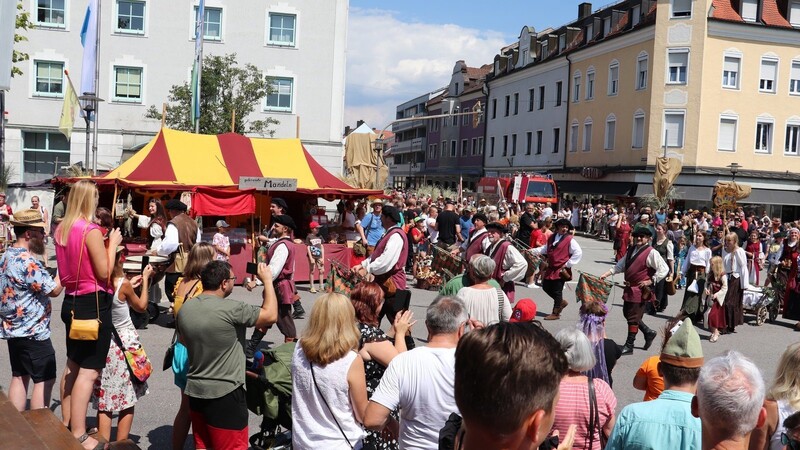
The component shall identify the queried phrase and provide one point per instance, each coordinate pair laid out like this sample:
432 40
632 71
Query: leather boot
252 344
556 314
299 312
627 349
649 335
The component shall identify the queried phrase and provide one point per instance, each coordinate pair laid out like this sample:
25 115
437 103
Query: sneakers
533 286
313 290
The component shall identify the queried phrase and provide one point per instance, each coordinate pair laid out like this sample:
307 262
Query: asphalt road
152 425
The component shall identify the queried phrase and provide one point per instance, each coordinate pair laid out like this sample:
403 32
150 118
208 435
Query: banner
89 43
592 289
667 170
68 109
727 193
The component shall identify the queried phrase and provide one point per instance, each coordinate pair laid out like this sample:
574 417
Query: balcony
404 126
409 146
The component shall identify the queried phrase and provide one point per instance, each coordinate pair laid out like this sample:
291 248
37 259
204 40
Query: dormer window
636 15
749 10
606 26
562 42
794 13
544 49
589 32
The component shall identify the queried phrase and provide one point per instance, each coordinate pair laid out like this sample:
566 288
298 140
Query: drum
159 263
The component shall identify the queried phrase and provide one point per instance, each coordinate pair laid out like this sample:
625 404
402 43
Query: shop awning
694 193
772 197
596 187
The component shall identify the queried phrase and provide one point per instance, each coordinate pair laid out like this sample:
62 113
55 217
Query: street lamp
734 168
90 102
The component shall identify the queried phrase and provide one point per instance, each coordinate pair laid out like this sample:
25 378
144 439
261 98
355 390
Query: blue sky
399 49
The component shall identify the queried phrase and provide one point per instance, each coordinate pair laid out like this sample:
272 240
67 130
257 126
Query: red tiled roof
723 10
476 73
623 22
772 16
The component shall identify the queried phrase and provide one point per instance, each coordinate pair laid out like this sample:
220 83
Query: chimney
584 10
347 130
359 123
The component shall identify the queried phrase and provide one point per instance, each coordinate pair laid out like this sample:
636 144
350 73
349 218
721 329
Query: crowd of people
489 374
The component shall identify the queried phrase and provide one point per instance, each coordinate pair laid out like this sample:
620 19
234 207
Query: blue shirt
466 226
665 422
661 217
373 229
24 305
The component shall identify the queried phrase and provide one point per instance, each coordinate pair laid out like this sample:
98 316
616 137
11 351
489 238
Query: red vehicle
520 188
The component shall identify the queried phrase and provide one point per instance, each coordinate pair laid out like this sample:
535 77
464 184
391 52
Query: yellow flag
71 105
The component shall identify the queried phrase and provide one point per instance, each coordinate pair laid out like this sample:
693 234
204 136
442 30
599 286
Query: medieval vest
475 246
282 282
187 235
396 272
498 253
661 248
636 271
557 256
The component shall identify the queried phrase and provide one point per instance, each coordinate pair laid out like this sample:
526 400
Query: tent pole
163 114
297 127
116 194
233 121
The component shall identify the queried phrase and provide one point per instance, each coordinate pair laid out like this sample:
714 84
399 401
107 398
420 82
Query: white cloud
390 61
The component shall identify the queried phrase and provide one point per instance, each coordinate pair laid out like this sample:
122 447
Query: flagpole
199 36
96 88
199 81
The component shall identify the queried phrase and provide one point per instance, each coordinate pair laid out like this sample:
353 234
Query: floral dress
374 371
113 390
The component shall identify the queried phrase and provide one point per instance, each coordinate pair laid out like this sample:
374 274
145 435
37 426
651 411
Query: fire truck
522 188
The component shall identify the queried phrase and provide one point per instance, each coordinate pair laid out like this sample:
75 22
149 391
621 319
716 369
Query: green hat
683 348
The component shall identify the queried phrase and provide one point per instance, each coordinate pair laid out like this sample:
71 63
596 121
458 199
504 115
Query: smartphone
252 268
402 300
145 262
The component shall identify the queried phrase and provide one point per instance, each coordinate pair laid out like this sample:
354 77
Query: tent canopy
180 160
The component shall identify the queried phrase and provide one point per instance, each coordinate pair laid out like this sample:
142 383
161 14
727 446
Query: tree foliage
23 22
225 87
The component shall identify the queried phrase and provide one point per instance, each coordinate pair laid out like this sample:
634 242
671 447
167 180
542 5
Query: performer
790 252
478 240
563 252
510 265
643 267
281 258
663 244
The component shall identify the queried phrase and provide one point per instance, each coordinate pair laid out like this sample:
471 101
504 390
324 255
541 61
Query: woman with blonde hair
329 391
783 399
714 295
85 264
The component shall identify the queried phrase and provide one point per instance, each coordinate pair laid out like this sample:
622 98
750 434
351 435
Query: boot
649 335
252 344
299 312
557 311
627 349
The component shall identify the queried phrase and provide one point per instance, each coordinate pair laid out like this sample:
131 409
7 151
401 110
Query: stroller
765 302
269 394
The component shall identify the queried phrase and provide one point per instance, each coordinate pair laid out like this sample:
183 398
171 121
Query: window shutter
749 10
795 73
768 70
727 134
731 64
794 15
673 127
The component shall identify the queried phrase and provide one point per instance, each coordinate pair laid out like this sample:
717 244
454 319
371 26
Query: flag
198 60
89 43
68 109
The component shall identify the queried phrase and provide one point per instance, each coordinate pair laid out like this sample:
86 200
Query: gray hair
446 315
578 349
482 266
730 393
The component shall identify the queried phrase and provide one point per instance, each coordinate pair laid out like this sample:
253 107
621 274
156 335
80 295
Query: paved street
153 421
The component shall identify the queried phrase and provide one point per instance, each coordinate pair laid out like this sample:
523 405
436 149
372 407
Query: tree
23 22
225 87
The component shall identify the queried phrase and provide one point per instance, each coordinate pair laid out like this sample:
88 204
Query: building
406 159
147 46
456 143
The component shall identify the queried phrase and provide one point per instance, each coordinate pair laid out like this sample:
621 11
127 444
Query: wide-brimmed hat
285 220
392 213
676 221
497 226
377 201
27 218
222 224
175 205
480 216
280 202
642 231
561 222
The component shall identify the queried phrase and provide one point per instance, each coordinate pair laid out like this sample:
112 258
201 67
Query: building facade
407 157
147 46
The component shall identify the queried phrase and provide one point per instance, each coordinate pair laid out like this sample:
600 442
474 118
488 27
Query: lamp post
90 102
734 168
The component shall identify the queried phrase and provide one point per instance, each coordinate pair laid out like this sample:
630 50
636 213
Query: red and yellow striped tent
184 161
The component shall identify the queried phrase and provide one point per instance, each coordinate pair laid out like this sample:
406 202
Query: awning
694 193
595 187
772 197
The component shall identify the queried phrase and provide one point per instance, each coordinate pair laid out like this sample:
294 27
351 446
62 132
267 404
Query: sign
517 187
725 198
268 184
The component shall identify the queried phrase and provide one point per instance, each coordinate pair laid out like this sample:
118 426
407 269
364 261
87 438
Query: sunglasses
793 444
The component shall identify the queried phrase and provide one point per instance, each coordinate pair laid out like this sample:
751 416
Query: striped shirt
573 408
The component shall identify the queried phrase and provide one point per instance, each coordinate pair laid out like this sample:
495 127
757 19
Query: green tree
225 87
23 23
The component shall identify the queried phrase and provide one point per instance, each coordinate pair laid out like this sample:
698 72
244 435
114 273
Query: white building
146 46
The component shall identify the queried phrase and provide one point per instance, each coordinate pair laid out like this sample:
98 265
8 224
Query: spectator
729 399
606 351
329 393
485 303
574 396
430 223
466 223
420 382
36 204
370 228
508 406
791 438
5 215
783 400
316 255
221 243
667 421
212 328
448 225
27 288
648 378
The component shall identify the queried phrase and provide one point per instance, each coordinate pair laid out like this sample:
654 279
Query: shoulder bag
500 303
313 377
139 365
594 417
84 329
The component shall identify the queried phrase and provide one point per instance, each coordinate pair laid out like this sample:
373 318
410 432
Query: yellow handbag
84 329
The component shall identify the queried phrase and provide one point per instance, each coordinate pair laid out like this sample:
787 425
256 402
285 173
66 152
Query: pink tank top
68 256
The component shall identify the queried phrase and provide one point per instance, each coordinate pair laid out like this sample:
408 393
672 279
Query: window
763 137
49 79
730 72
544 50
681 8
443 149
465 119
606 26
480 146
464 147
541 97
573 137
556 139
678 62
792 139
749 10
559 88
539 142
794 14
589 85
769 73
562 42
794 78
638 130
576 88
434 124
505 145
212 24
50 13
432 151
43 155
513 145
508 104
589 32
529 139
474 147
531 99
587 136
128 84
641 72
494 108
282 29
516 104
130 16
613 79
491 147
453 145
636 15
281 98
611 133
727 134
673 128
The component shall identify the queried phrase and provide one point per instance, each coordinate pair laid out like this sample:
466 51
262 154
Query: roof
770 13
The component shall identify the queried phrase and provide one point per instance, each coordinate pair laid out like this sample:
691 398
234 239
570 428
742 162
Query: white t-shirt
483 305
547 212
433 234
349 221
420 383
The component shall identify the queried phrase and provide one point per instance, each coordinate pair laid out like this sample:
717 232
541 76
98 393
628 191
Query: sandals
714 337
99 446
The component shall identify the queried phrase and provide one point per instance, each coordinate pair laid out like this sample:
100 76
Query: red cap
313 225
524 311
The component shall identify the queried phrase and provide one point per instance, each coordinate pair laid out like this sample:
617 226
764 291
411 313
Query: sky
400 49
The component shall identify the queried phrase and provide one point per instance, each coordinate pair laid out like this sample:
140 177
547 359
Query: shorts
33 358
89 354
317 262
220 422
